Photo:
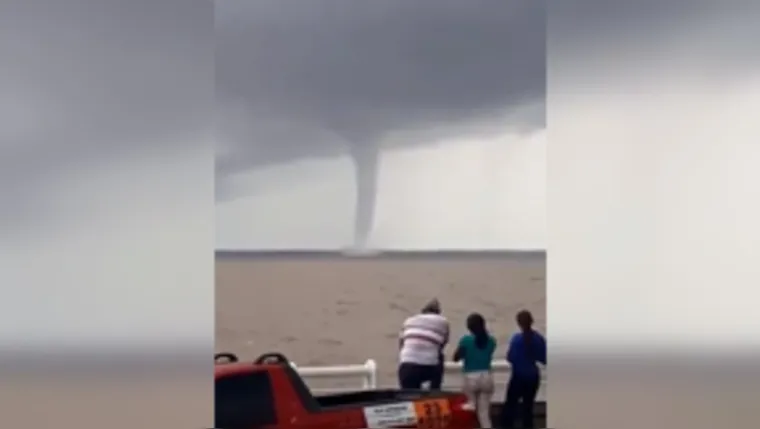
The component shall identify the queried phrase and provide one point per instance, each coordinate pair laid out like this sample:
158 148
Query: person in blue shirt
476 351
526 349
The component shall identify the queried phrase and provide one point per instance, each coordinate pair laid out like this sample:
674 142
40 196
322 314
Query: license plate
433 414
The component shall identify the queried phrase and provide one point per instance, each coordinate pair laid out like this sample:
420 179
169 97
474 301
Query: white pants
478 386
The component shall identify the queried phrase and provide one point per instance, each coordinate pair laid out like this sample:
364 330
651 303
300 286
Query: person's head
476 324
524 320
432 307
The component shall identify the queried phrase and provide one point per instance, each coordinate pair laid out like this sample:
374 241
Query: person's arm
458 354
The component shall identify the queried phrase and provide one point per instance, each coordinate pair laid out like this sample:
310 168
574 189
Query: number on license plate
433 414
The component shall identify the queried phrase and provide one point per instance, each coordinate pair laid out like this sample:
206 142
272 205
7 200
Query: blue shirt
523 356
476 359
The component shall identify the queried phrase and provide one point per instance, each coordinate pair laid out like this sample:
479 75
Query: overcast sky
452 94
458 193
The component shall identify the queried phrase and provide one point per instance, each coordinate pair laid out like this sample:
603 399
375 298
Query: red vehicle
269 393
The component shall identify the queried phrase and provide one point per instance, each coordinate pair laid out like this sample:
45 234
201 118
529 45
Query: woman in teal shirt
476 351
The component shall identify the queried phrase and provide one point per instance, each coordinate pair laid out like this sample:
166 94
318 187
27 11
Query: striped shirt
423 337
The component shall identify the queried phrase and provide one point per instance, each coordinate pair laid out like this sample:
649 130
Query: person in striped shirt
421 342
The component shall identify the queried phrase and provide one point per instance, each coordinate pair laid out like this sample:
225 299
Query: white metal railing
368 371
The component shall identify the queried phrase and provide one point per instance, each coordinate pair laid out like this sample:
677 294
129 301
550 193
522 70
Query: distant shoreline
389 254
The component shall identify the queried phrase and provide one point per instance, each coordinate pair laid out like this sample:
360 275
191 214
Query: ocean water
329 309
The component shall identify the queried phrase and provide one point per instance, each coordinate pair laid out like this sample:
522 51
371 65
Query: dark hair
432 307
525 321
476 324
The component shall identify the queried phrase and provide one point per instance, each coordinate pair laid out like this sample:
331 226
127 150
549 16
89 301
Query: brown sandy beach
329 309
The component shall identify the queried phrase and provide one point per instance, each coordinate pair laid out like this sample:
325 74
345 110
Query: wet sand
327 309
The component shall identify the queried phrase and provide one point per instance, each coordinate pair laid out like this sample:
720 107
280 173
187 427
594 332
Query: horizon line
380 253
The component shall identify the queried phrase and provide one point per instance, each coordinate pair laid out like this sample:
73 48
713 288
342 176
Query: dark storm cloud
85 81
720 32
338 75
345 72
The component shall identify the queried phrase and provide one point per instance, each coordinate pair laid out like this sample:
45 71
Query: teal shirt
476 359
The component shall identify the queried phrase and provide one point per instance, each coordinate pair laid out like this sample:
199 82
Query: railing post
370 382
